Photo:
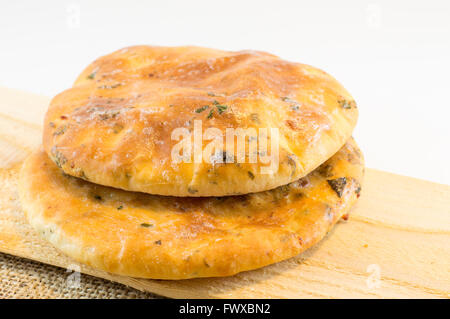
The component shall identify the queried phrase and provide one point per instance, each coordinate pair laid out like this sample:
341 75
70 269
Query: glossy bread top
114 126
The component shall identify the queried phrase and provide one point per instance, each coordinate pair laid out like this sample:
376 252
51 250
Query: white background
393 56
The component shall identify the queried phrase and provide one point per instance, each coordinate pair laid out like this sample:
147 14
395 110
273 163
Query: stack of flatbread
184 162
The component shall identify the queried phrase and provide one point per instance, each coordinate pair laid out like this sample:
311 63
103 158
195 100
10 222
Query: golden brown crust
113 127
152 236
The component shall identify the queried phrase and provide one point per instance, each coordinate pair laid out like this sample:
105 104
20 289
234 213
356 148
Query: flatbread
164 237
114 126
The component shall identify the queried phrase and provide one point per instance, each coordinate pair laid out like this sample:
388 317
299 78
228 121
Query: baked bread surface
163 237
114 126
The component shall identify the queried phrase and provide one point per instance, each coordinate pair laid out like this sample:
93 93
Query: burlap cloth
23 278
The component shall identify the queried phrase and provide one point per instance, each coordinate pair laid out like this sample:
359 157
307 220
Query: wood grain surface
396 243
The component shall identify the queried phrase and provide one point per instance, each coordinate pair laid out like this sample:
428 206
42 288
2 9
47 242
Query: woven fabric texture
23 278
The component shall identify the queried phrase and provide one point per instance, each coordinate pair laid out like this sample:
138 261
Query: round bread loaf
151 236
116 125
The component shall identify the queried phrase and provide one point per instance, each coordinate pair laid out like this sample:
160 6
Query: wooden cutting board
396 243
